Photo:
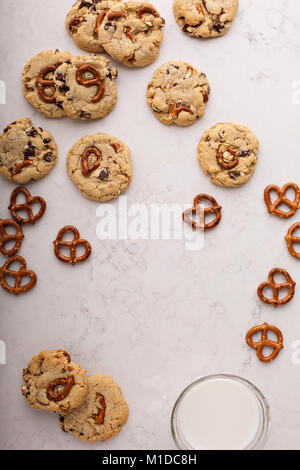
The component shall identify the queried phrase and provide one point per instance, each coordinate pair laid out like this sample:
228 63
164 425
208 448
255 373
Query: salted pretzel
175 110
26 206
86 168
289 284
265 341
203 212
65 388
6 238
17 288
220 158
291 239
99 21
42 83
72 245
99 417
97 80
273 208
144 9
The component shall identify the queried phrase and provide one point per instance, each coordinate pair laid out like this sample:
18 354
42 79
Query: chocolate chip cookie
178 93
86 87
53 382
27 153
228 153
38 86
205 18
102 414
100 165
83 21
131 33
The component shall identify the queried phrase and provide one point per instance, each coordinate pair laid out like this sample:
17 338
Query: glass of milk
221 412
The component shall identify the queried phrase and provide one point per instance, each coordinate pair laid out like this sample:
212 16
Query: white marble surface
151 314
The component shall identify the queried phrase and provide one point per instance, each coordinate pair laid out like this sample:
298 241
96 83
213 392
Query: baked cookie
100 165
86 87
131 33
27 153
82 23
102 414
38 86
205 18
228 153
178 93
53 382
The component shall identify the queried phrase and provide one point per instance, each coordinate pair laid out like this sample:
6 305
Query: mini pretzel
97 80
42 83
291 239
227 165
6 238
17 289
265 341
72 245
26 206
86 169
289 284
203 212
99 21
282 199
145 9
74 23
99 418
116 14
175 110
67 384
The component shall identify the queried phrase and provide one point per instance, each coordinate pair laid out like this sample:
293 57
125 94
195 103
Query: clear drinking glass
262 405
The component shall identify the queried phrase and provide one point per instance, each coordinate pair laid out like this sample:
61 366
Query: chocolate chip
104 174
64 88
68 62
61 419
41 129
234 174
59 104
244 153
85 4
29 151
61 77
48 157
113 73
218 26
31 132
156 110
163 20
85 115
109 25
46 141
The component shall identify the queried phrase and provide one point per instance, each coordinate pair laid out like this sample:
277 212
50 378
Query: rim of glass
261 436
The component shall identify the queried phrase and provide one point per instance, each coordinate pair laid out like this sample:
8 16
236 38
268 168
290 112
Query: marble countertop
151 313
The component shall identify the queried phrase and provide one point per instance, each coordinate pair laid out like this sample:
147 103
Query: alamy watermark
296 92
2 352
141 222
2 92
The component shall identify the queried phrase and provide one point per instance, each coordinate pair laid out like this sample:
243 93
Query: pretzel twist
265 341
72 245
203 212
273 208
6 238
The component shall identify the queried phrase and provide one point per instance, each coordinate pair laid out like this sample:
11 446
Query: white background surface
149 313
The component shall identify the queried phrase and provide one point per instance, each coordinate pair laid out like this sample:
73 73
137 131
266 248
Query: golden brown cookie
178 93
53 382
27 153
100 165
102 414
228 153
